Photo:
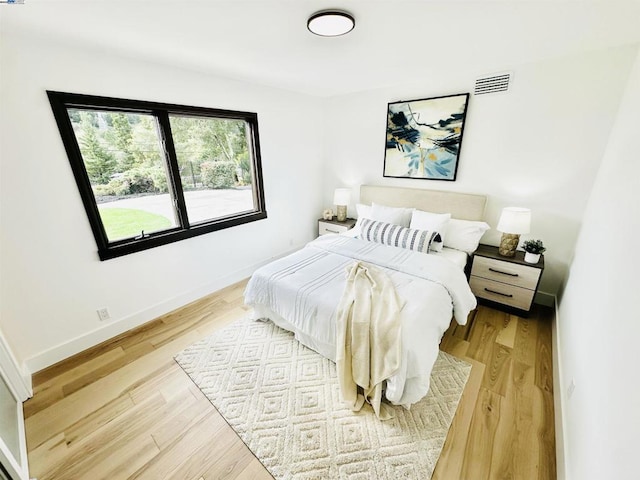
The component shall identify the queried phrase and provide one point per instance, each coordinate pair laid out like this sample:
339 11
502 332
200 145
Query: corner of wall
546 299
17 378
558 399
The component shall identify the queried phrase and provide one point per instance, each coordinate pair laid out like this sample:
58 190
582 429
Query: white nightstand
508 281
334 226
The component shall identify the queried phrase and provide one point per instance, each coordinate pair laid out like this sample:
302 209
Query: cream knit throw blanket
369 344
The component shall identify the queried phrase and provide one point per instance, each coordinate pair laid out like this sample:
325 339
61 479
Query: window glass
126 168
215 166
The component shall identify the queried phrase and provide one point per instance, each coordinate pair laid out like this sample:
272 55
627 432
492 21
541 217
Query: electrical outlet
103 314
571 388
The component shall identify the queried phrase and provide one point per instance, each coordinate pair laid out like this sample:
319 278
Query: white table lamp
513 222
341 198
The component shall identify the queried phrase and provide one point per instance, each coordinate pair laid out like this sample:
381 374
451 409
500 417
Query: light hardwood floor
124 409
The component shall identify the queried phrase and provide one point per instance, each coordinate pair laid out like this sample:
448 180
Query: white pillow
434 222
395 215
464 235
363 211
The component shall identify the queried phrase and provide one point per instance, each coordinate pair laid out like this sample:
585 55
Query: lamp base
508 244
342 213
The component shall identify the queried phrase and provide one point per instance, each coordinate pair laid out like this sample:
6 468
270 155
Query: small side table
505 281
334 226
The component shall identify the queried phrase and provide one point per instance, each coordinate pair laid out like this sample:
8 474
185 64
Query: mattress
455 256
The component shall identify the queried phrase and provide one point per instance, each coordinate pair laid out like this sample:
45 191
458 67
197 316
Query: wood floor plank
205 459
481 341
526 341
502 464
180 423
125 409
80 361
543 409
253 470
97 419
187 324
525 452
507 336
221 321
130 458
173 457
167 375
129 430
83 454
183 419
476 463
525 457
449 465
107 368
50 390
455 346
483 336
48 453
497 375
227 469
543 363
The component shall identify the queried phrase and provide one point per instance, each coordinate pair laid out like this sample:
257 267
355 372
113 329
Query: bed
301 292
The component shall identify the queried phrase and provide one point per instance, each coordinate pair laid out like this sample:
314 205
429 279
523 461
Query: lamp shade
514 220
342 196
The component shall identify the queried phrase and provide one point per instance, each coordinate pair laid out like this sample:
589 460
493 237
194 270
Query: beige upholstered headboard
465 206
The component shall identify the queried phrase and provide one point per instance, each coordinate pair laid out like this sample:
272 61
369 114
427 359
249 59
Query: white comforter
300 293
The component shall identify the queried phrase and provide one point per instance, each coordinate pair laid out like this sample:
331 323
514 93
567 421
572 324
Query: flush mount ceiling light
330 23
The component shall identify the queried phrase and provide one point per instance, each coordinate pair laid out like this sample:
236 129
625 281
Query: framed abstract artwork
424 137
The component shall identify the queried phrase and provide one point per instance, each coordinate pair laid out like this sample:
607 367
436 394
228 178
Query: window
152 173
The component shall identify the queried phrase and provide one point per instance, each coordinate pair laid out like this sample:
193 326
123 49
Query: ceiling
267 41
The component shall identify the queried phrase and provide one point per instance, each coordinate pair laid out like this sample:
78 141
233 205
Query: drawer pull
331 231
498 293
503 273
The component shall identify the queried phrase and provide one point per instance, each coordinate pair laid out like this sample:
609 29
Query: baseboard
16 378
544 298
67 349
558 400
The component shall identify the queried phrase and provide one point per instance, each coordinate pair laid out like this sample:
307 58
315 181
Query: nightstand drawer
506 272
326 227
502 293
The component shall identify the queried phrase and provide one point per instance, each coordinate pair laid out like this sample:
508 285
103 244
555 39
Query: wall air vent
492 84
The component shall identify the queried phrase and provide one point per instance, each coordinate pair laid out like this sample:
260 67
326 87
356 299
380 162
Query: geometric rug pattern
283 400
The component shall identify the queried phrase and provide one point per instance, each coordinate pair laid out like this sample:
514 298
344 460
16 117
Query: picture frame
424 137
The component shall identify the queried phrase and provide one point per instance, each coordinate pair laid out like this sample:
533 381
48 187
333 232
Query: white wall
52 281
539 146
598 324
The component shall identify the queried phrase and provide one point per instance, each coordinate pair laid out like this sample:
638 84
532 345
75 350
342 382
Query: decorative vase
508 244
342 213
531 257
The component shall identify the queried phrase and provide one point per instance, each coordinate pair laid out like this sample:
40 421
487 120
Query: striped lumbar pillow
397 236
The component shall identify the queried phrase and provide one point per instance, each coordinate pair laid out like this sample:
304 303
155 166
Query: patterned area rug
283 400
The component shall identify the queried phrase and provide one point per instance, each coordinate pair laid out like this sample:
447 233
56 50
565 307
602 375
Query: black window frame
62 101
